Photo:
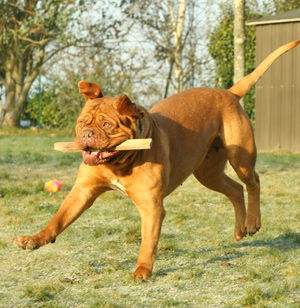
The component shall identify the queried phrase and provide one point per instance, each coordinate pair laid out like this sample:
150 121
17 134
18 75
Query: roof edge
266 22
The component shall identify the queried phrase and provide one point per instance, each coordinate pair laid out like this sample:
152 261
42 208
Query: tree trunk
14 107
18 80
1 113
169 78
239 41
178 72
178 30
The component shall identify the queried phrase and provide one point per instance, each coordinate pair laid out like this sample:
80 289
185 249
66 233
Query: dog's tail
242 87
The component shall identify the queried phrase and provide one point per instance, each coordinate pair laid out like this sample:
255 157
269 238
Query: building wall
277 105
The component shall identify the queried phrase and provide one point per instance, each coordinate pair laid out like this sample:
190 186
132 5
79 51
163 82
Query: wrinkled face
104 123
99 128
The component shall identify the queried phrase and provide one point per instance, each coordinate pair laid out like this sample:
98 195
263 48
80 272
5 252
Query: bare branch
21 9
41 43
172 15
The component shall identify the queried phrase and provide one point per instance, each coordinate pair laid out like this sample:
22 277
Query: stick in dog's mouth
130 144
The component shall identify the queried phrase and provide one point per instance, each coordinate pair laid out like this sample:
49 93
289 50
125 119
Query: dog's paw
240 230
253 223
29 242
141 273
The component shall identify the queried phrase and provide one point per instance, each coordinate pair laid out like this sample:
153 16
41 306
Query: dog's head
104 123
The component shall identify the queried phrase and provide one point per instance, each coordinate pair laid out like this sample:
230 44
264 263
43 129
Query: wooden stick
130 144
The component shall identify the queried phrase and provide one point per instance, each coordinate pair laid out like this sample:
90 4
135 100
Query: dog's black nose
87 134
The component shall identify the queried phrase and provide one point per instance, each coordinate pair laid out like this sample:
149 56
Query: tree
285 5
26 30
111 70
32 33
239 41
221 48
177 25
167 26
221 43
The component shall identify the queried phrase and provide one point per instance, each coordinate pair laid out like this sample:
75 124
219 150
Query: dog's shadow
284 242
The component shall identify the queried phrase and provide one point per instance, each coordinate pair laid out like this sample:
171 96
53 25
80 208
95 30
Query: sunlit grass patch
199 264
42 293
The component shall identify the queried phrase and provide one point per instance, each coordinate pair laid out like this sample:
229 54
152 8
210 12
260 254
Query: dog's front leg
79 199
152 216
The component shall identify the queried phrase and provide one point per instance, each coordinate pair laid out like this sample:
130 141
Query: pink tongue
103 155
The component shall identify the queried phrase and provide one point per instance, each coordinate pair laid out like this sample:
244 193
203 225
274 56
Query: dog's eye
106 125
81 123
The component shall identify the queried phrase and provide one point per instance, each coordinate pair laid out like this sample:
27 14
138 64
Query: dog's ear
126 107
89 90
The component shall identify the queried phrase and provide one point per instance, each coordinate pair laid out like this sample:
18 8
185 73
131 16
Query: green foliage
32 33
221 44
222 50
286 5
55 112
61 102
29 27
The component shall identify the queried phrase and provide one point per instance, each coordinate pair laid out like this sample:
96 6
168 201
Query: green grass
199 264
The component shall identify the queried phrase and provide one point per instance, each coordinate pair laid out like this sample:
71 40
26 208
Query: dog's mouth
97 157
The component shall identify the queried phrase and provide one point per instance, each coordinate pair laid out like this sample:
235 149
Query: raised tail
242 87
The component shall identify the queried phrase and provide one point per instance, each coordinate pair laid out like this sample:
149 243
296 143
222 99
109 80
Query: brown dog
196 131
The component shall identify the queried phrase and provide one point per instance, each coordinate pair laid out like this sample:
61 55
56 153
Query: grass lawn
199 264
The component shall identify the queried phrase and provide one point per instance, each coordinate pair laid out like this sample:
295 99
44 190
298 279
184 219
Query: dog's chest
115 185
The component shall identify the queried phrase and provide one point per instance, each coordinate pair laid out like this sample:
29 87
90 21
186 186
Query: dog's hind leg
245 170
211 174
241 153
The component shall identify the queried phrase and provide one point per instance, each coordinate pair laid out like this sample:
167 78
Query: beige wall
277 106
